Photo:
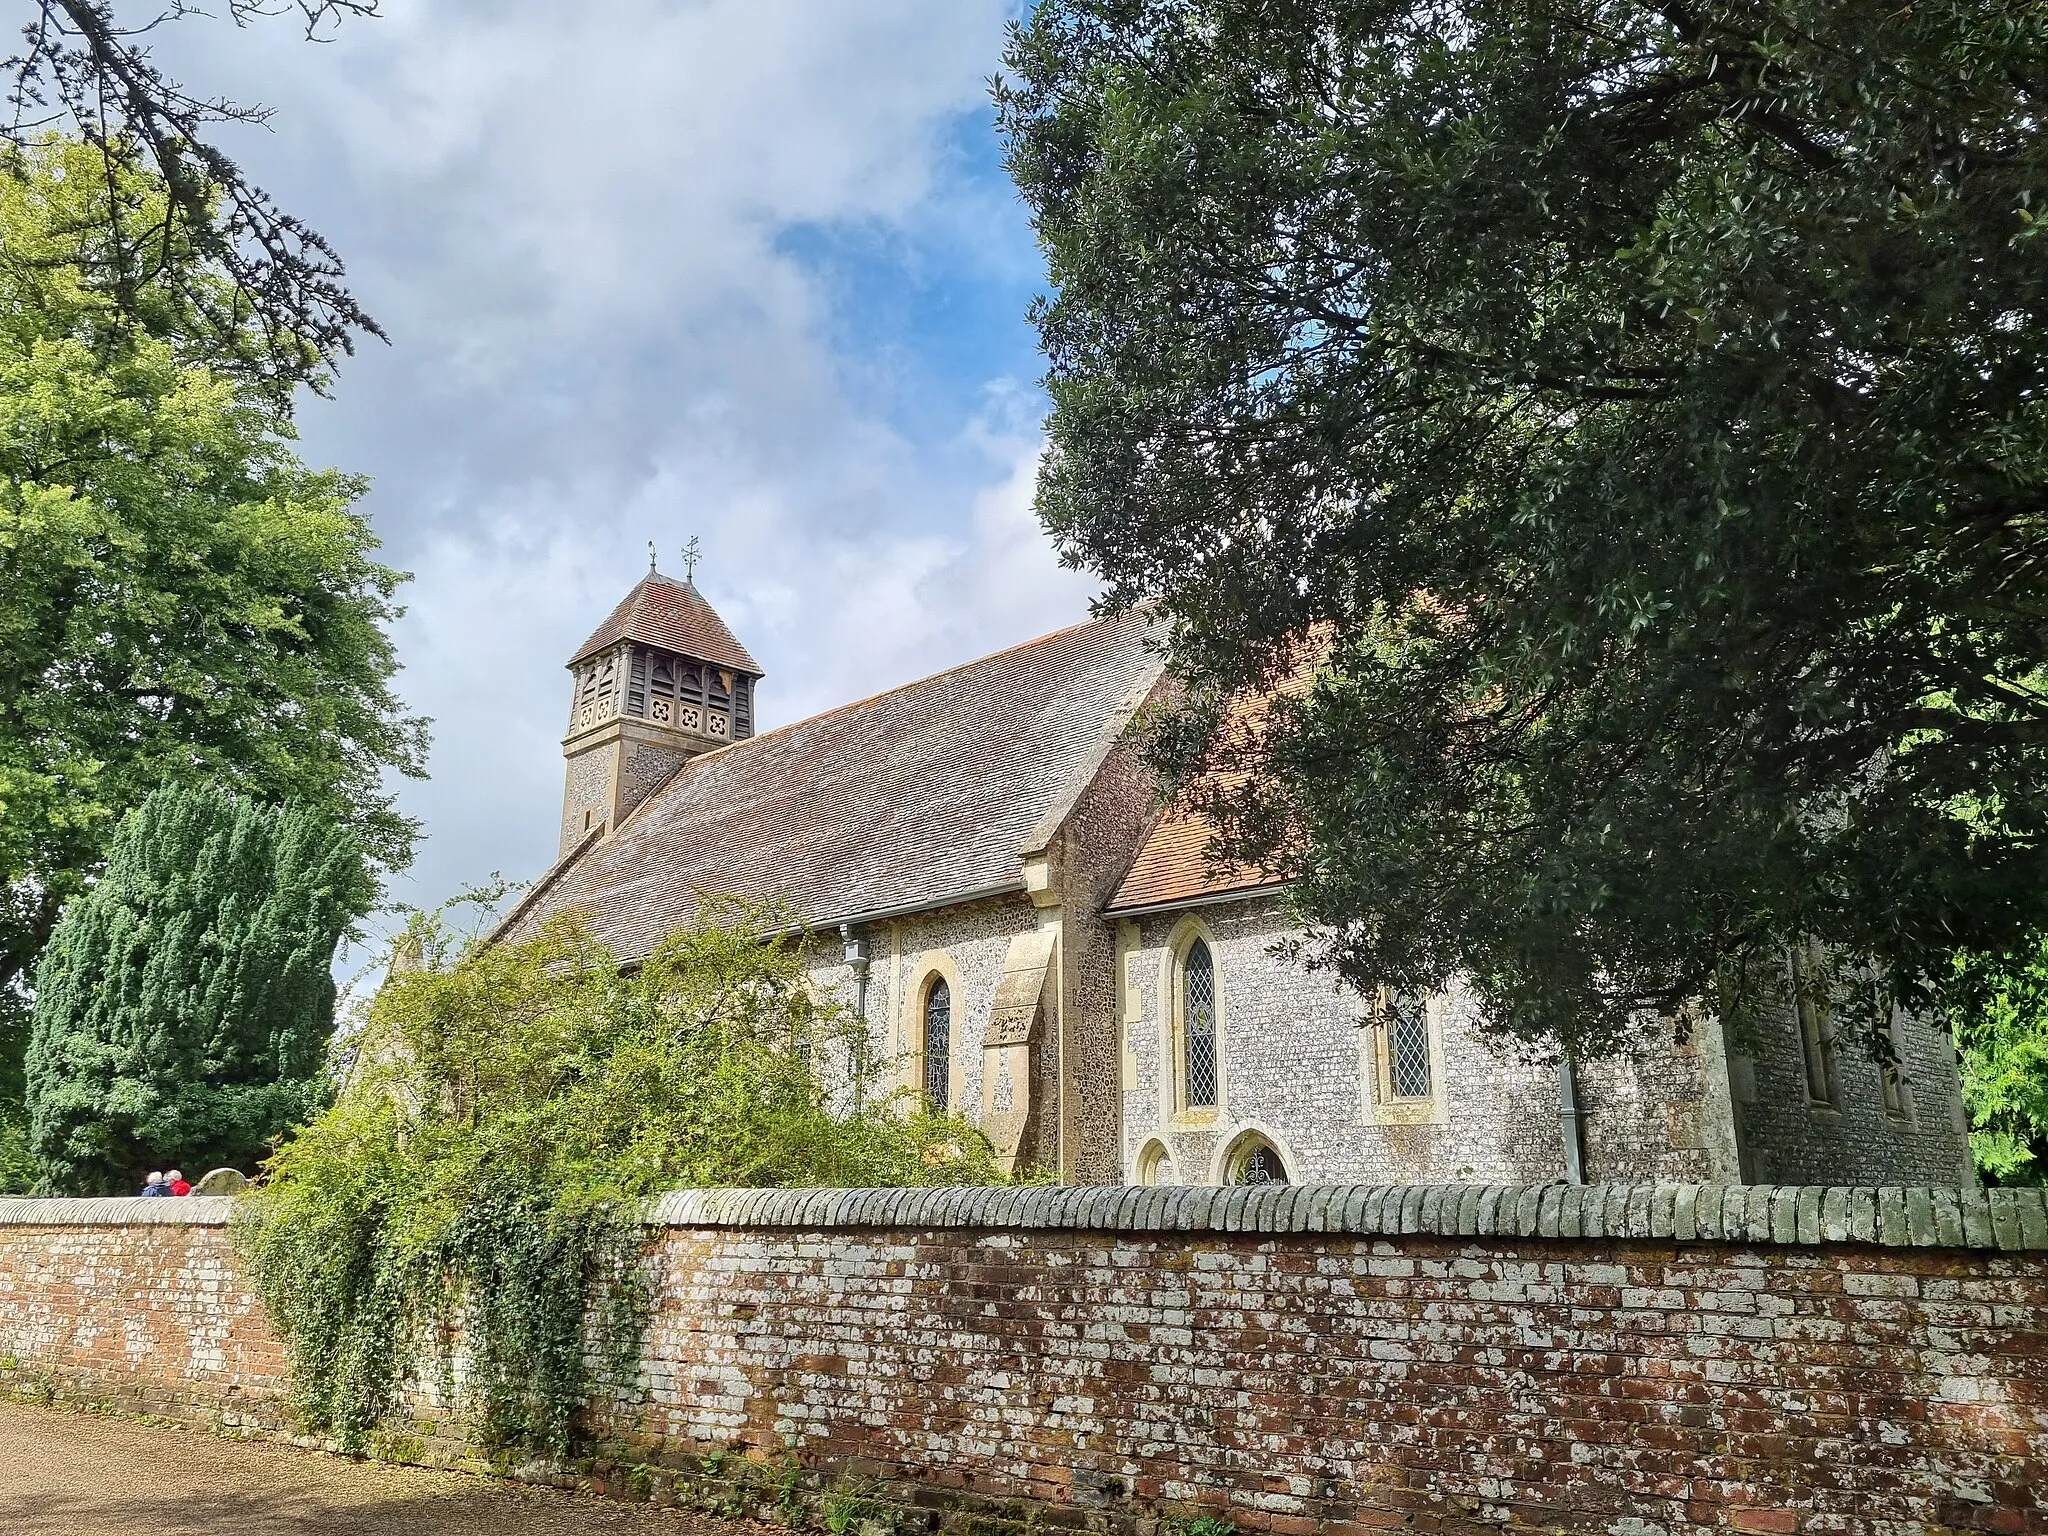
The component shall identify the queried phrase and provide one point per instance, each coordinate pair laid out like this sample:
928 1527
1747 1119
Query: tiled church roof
923 796
1173 866
673 615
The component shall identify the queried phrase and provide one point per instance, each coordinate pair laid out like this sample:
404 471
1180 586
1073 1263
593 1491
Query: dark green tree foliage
1646 402
184 1004
88 61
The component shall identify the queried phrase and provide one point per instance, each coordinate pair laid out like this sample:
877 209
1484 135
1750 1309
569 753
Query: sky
744 270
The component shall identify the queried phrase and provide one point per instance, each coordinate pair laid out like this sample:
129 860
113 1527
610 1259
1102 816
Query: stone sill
2014 1220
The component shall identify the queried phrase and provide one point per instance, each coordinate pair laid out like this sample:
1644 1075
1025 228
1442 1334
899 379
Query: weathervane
691 555
650 557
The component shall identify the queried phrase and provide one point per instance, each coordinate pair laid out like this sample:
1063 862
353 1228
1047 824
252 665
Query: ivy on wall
506 1109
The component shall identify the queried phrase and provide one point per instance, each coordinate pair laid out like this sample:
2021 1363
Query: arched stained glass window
938 1043
1198 1026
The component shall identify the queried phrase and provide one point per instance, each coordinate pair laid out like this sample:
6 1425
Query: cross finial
691 555
650 557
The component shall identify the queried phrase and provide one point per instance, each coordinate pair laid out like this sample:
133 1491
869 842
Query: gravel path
73 1474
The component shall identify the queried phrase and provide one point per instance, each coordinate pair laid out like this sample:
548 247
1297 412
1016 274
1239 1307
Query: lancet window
1407 1066
1816 1029
1198 1027
938 1043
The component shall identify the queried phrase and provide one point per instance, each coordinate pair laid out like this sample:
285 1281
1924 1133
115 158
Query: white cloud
578 224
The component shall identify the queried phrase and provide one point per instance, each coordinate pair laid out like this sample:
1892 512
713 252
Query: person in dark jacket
156 1184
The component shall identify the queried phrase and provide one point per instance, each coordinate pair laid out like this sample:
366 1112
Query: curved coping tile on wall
2011 1220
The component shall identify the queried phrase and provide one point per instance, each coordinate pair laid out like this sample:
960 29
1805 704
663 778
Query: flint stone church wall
1297 1068
1785 1139
1635 1361
967 944
1107 822
1294 1065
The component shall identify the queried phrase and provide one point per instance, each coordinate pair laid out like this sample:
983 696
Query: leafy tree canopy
1998 1010
184 599
507 1108
185 1003
1645 404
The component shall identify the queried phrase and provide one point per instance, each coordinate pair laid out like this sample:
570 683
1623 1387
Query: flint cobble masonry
1623 1359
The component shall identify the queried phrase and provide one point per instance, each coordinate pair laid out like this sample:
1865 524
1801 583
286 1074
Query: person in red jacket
178 1184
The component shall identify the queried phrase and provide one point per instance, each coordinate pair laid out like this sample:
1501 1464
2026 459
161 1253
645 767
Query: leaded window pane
1408 1046
1198 1015
938 1044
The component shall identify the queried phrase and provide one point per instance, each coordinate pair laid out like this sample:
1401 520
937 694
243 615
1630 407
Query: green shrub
1998 1010
507 1108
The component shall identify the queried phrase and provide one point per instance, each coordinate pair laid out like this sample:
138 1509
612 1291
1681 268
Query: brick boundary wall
1632 1360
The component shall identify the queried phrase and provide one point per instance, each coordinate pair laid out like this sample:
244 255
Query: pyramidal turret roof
673 615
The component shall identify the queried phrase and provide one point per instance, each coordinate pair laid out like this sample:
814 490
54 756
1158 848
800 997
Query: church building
988 878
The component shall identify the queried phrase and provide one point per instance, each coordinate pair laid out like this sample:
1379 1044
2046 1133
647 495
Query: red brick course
1301 1383
155 1318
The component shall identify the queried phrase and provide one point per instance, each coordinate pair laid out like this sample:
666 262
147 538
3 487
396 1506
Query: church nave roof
928 794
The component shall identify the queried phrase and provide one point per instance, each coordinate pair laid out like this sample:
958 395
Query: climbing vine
466 1214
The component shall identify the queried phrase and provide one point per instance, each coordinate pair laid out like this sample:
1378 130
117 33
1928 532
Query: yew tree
184 1005
1639 406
